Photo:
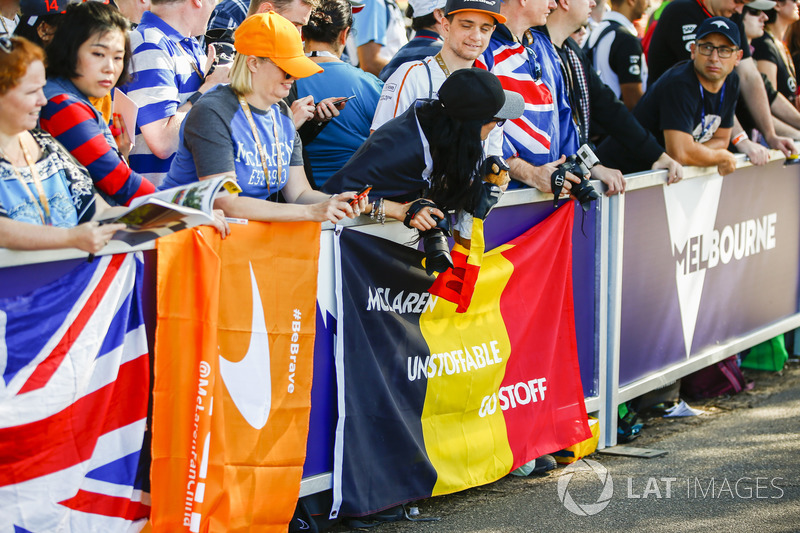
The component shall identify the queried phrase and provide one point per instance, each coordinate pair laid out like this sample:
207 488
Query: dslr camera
579 164
434 240
437 249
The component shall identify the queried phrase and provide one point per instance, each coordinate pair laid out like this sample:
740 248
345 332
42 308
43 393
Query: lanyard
192 61
442 65
703 108
259 146
784 53
321 53
703 7
37 182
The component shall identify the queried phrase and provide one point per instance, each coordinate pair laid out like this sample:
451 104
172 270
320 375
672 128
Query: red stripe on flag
102 504
505 54
48 367
69 437
533 93
537 136
543 365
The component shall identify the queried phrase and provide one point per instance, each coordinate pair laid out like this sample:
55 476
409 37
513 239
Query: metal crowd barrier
667 280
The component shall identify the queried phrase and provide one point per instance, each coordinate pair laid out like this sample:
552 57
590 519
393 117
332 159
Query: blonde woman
246 129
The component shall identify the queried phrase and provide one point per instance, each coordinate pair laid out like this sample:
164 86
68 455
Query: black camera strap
557 183
415 207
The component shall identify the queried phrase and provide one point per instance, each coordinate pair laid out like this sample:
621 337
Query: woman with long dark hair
432 151
88 57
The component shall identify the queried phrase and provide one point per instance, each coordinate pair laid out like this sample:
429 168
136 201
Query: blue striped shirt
228 14
163 79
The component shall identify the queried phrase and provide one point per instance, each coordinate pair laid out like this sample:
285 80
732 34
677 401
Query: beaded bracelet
378 211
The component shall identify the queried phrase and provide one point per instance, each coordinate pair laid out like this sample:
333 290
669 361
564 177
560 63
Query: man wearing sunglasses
671 41
690 108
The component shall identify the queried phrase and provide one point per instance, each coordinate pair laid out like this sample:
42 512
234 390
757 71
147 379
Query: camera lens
437 249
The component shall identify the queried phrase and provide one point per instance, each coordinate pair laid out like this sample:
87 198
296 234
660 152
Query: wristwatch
194 97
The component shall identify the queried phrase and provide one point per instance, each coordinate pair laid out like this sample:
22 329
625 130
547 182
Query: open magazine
168 211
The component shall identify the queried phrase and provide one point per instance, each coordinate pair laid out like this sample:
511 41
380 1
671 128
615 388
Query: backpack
591 50
718 379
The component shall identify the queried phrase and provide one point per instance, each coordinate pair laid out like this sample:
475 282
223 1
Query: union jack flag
545 131
73 402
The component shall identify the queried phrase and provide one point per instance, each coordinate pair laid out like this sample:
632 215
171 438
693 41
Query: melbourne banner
233 366
73 402
432 401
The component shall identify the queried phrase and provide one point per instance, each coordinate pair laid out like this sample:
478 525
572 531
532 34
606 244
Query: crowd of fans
322 93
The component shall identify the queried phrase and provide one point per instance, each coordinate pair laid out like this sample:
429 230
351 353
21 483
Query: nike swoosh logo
248 381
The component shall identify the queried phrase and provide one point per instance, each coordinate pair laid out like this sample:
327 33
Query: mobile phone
361 194
345 99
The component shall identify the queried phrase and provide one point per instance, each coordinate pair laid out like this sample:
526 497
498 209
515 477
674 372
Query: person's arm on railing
683 148
90 236
304 203
754 94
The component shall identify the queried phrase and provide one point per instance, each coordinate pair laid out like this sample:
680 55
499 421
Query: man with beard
671 43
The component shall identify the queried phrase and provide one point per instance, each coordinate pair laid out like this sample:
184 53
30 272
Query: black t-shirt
746 119
675 33
625 57
765 49
675 102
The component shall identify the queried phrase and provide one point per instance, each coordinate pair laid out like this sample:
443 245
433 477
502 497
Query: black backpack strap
612 26
430 80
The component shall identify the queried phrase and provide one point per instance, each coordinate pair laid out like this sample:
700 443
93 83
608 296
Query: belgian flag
434 401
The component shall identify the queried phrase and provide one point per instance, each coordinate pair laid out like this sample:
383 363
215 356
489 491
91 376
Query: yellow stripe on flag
473 347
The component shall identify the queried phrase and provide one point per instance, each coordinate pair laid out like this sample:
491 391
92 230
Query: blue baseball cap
721 25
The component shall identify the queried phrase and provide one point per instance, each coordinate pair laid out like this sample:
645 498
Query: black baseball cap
476 94
490 7
721 25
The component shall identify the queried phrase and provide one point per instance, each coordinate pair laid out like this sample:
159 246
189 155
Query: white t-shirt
8 26
408 83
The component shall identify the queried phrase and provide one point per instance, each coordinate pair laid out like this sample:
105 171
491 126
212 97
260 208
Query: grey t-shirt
216 138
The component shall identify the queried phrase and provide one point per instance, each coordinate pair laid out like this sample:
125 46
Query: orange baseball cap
273 36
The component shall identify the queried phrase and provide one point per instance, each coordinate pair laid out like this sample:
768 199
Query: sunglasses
6 44
285 74
533 62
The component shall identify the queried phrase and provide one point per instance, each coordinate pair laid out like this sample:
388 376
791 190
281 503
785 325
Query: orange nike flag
233 367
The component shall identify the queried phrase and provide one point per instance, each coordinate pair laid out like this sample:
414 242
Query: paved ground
734 469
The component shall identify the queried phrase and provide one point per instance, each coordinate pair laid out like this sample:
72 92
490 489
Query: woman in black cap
430 153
